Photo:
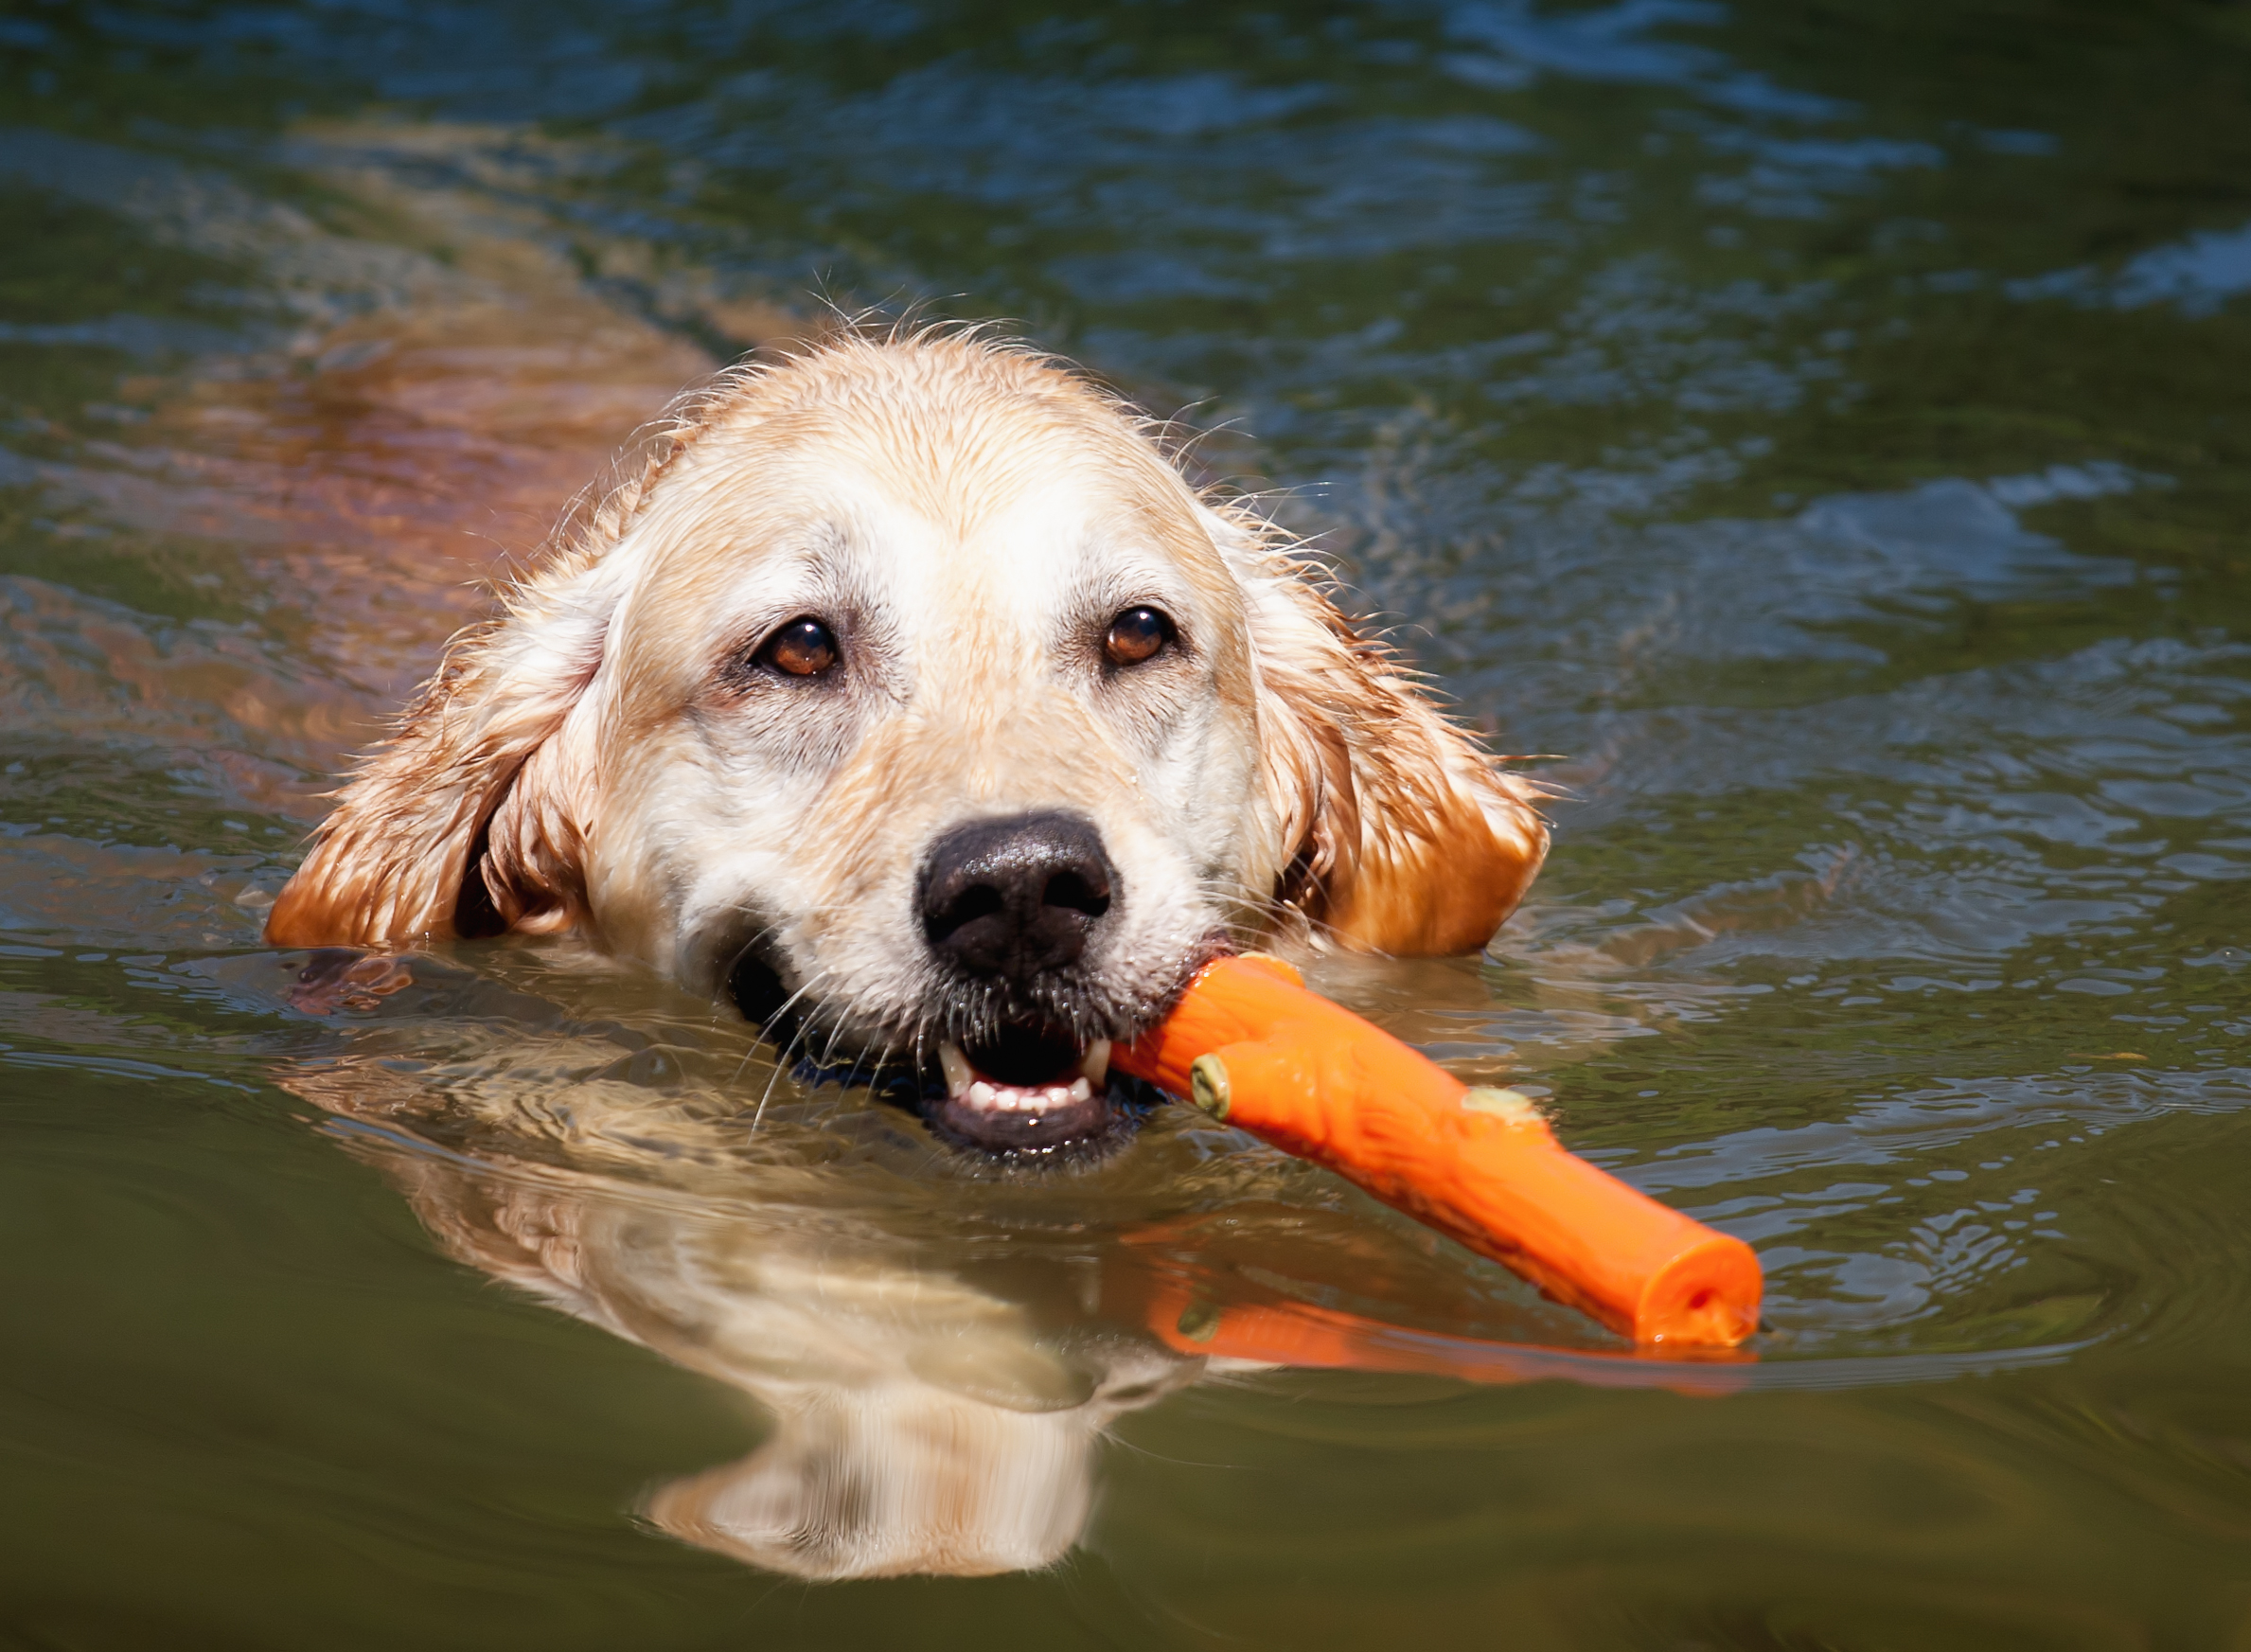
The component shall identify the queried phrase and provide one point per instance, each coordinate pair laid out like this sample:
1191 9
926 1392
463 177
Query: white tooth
982 1095
958 1071
1081 1090
1095 1063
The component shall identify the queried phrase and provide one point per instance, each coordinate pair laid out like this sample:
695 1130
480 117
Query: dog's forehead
1033 540
1011 502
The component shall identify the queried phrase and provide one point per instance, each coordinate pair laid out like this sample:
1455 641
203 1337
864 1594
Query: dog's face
915 700
940 724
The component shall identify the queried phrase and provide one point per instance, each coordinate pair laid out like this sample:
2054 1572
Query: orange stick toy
1249 1044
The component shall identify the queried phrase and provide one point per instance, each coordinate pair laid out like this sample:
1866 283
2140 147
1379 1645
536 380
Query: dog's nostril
980 900
1016 897
1069 889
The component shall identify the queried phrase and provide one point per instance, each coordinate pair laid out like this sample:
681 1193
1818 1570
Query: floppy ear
463 822
466 820
1402 835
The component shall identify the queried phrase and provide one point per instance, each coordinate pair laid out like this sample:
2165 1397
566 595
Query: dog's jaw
1041 1116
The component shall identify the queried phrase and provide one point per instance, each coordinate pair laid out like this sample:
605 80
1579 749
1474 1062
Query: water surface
1815 439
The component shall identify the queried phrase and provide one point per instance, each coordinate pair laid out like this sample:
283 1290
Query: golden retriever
911 696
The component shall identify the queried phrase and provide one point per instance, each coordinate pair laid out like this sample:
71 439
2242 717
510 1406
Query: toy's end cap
1706 1297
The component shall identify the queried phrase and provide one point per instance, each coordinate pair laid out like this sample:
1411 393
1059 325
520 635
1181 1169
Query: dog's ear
464 822
1401 835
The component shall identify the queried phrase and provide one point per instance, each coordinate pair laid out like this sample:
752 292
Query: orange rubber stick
1250 1044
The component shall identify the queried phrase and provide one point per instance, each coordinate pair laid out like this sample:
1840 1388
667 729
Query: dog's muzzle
1010 908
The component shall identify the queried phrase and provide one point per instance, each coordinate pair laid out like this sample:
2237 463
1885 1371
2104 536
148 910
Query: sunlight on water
1817 445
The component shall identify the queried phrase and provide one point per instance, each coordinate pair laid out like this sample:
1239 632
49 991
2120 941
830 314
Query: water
1824 431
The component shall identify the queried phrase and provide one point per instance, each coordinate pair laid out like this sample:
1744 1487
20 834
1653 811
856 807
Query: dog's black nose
1016 897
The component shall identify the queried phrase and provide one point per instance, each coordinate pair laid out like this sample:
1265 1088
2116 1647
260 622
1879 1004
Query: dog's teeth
970 1087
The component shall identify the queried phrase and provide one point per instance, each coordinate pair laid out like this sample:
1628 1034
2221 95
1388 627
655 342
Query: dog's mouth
1029 1089
1026 1090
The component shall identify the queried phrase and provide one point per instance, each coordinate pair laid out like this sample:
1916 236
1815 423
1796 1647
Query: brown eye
1136 635
804 648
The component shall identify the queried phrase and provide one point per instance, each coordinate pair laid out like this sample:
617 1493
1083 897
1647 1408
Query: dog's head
911 697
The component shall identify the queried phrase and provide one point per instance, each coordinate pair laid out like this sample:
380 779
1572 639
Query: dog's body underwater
911 694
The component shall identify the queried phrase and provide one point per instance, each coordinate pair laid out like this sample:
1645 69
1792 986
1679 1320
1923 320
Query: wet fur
585 759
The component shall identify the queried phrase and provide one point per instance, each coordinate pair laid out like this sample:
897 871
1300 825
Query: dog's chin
1027 1091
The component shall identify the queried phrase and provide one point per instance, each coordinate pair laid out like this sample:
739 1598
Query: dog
910 695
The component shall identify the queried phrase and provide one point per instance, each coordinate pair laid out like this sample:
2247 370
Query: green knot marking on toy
1510 1105
1200 1321
1207 1085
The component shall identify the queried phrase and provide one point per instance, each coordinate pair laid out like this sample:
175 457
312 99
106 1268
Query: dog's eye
804 648
1136 635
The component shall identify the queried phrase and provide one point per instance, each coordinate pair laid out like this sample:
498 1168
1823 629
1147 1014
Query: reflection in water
936 1405
938 1349
938 1352
920 1425
921 1422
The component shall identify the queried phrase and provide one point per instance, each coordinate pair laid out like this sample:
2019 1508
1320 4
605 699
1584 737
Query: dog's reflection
920 1425
938 1356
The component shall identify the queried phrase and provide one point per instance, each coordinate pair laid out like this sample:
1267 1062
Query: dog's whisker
1285 913
796 1031
781 1067
828 1056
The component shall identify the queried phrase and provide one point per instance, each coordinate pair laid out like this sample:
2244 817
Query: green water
1823 429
